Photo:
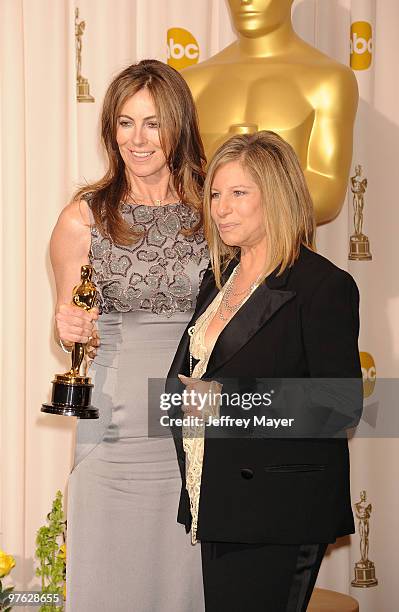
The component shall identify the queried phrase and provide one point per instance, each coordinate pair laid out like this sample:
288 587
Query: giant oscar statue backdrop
270 79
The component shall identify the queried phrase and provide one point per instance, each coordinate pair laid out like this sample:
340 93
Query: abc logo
369 373
182 48
361 45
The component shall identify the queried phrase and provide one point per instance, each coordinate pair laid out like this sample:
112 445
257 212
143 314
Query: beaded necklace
232 308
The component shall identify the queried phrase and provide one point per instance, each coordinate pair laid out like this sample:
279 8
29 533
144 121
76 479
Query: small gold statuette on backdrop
71 395
364 569
359 243
82 84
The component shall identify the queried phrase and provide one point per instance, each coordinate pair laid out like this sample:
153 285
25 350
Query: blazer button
247 473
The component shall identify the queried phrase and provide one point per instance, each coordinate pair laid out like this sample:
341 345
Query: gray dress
125 550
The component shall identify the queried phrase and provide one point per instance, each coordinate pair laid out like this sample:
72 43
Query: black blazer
303 323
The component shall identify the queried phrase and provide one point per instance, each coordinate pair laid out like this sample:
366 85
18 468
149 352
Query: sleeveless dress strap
87 197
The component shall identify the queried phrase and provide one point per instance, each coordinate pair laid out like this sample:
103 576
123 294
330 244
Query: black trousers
259 577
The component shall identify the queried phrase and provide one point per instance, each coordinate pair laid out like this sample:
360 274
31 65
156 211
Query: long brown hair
179 136
287 205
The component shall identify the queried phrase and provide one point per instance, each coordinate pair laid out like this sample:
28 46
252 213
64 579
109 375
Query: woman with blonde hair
265 506
140 228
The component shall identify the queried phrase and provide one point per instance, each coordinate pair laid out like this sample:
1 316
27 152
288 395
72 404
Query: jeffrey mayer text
224 421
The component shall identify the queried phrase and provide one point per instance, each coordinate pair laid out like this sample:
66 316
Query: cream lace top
193 436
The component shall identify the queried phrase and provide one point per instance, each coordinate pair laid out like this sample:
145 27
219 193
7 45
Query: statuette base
364 575
83 91
71 396
359 248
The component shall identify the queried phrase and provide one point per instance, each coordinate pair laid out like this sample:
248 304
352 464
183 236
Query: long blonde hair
180 141
287 205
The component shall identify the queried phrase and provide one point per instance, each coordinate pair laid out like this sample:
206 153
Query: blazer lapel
209 292
265 301
209 296
256 311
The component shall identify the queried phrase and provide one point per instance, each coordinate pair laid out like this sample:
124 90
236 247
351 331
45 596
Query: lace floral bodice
194 435
160 273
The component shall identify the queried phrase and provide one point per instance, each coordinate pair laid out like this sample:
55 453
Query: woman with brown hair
140 228
270 312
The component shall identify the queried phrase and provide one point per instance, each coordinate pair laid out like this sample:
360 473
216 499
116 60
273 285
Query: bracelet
62 345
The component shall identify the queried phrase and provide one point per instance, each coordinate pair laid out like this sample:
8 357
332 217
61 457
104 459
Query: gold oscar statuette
71 394
82 84
364 569
359 246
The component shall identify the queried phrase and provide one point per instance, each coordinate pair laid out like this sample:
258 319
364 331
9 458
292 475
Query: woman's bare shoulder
72 230
74 215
